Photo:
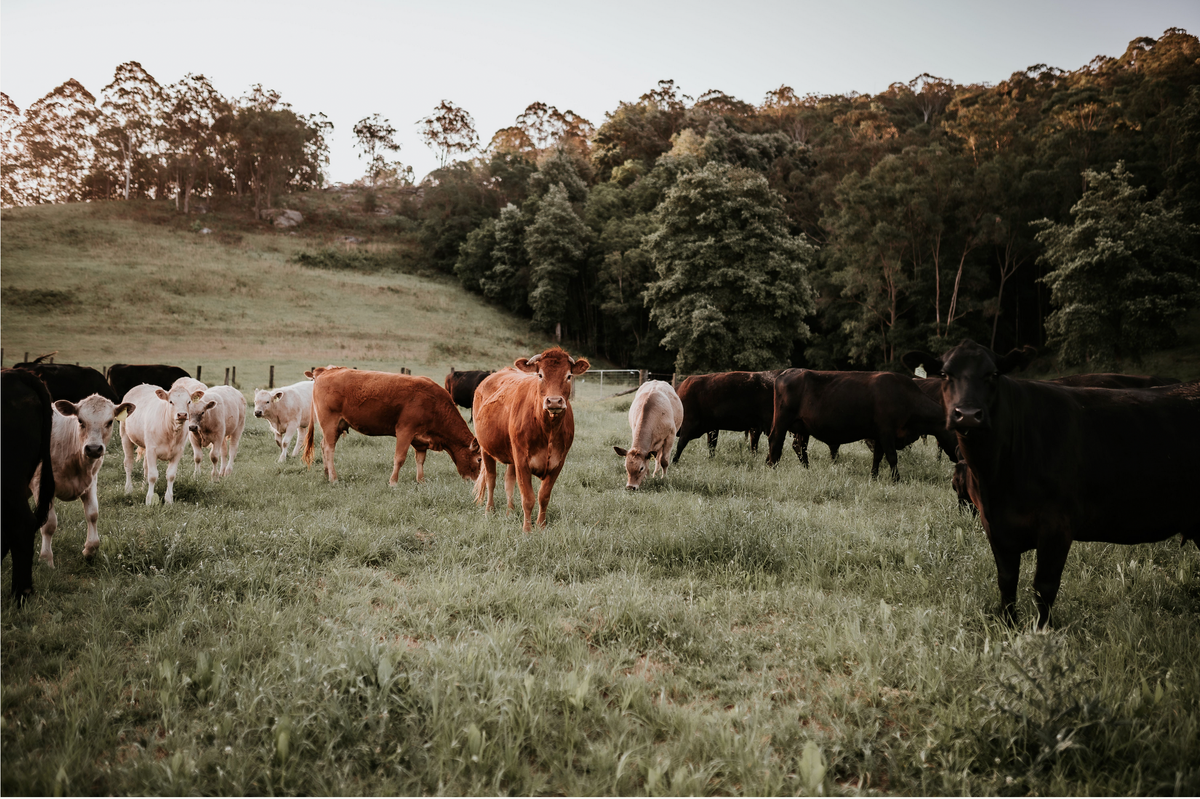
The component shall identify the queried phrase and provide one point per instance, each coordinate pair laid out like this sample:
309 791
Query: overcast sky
400 58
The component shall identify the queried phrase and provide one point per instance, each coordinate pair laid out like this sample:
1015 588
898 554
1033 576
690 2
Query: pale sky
399 59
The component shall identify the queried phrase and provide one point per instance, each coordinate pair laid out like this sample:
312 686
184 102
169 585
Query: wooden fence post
271 379
226 375
674 380
642 374
197 371
234 375
26 358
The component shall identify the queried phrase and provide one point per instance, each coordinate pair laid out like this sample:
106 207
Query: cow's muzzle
631 488
258 414
554 405
967 418
195 428
94 451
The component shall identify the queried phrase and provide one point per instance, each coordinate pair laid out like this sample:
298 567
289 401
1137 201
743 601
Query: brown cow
523 418
1050 464
416 410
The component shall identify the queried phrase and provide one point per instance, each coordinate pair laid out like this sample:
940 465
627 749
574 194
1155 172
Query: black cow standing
67 381
462 385
886 409
26 421
1050 464
736 401
124 376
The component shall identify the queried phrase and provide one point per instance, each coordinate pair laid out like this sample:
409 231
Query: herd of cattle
1044 463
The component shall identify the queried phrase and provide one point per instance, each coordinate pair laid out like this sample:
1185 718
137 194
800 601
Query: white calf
655 417
289 412
77 446
157 426
216 418
187 387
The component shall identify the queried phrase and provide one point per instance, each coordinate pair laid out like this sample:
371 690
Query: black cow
26 421
462 385
124 376
1051 464
840 407
69 382
737 401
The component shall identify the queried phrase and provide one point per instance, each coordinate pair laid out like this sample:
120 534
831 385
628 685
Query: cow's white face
637 465
95 416
196 410
263 399
180 398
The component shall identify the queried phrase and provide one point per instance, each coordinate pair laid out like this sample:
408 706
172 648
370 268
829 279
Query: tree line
834 231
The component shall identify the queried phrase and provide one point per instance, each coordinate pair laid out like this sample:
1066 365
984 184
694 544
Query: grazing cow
1051 464
523 418
26 422
1111 380
462 385
725 401
124 376
839 407
216 418
288 411
79 442
158 427
416 410
67 381
655 417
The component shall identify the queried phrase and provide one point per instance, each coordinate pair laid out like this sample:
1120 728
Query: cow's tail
45 497
309 435
480 485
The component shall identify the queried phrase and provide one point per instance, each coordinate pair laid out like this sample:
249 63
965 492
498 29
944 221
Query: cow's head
263 398
180 396
196 410
556 372
95 415
970 374
469 461
637 465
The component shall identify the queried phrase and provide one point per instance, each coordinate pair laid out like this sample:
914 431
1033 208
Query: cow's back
124 376
729 400
501 401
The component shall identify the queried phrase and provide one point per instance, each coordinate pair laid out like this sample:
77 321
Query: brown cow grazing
655 417
416 410
1050 464
26 424
839 407
523 418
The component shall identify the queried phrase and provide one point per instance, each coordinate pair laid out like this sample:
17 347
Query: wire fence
602 383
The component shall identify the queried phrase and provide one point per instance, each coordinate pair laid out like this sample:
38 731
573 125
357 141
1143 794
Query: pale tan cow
216 418
655 417
158 427
288 410
78 443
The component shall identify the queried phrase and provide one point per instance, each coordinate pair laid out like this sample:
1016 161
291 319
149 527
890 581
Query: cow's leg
889 451
403 439
330 430
1008 571
800 447
833 452
1047 575
130 450
419 455
525 484
281 441
172 470
91 511
299 432
712 442
754 434
150 469
876 458
544 496
17 535
231 449
216 454
489 482
47 554
510 482
197 452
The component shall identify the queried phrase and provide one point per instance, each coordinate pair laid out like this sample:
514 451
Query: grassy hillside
731 629
107 282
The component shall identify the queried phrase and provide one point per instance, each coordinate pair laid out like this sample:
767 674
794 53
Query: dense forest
1054 208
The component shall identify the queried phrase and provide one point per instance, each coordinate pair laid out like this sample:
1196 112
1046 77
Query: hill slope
113 282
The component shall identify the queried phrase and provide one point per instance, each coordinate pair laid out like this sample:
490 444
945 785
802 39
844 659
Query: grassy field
732 629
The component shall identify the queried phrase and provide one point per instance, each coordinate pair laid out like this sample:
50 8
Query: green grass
733 629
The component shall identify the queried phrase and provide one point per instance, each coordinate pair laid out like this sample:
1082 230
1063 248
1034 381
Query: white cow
159 427
190 386
655 417
216 418
289 412
77 446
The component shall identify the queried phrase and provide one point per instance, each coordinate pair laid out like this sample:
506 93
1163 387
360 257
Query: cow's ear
123 410
915 358
211 404
162 395
651 455
65 407
1015 359
309 374
524 365
621 452
581 365
197 395
278 394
